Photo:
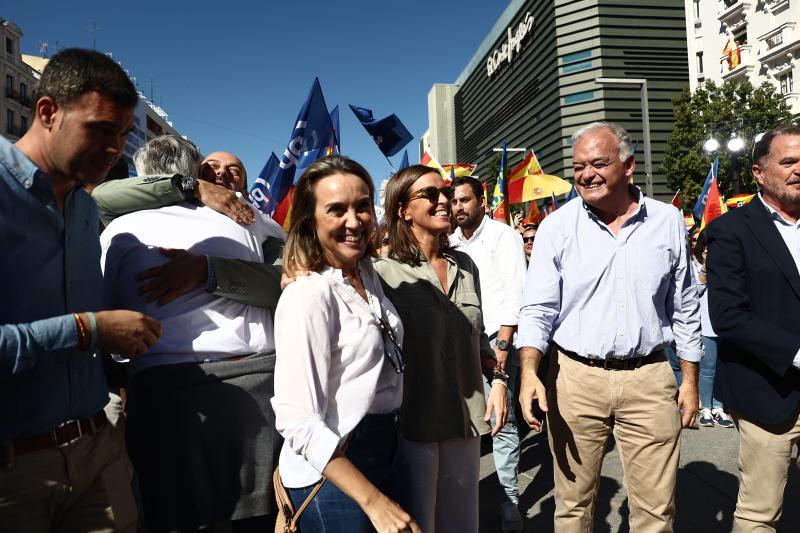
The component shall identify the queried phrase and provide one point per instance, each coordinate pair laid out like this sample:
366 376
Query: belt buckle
54 433
7 457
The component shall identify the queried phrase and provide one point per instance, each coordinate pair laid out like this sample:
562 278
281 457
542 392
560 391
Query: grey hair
167 154
623 137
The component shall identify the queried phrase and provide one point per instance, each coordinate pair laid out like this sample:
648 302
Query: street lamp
648 157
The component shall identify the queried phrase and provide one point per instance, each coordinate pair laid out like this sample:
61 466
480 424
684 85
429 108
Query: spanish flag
733 53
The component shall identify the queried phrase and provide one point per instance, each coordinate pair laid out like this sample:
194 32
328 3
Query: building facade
19 82
757 40
441 122
533 80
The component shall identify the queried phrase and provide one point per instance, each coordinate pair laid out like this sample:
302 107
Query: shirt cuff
528 340
693 356
326 444
796 361
211 282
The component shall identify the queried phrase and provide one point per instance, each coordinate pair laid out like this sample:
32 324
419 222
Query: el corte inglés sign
506 52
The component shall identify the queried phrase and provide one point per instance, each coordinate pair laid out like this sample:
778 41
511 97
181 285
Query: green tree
719 111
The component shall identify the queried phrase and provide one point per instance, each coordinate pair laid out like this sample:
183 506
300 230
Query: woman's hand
388 517
497 403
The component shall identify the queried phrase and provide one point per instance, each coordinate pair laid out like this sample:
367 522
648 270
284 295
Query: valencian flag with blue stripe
308 142
499 207
388 133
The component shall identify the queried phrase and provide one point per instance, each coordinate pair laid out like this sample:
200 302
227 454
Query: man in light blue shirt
57 451
610 285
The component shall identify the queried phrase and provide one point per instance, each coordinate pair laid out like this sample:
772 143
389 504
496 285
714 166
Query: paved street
706 493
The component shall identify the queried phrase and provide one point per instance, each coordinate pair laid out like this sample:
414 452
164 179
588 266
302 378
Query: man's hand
184 272
127 333
497 403
225 201
532 388
688 397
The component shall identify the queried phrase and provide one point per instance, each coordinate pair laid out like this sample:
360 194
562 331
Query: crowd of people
171 359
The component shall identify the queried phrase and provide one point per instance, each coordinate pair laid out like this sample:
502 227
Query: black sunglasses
528 239
432 193
398 363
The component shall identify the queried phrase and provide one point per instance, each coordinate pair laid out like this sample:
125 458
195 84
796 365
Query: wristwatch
187 185
502 345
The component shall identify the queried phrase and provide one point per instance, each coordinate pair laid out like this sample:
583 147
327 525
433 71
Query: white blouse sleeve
303 344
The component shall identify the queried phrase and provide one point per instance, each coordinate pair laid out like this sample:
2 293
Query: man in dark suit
754 301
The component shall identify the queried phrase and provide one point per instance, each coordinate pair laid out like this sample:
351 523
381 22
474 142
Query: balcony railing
775 40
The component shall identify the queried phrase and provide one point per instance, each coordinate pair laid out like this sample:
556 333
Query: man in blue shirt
610 286
56 449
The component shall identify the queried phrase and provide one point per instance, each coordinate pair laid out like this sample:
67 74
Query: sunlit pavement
706 492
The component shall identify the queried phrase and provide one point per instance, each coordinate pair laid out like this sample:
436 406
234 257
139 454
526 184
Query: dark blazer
754 303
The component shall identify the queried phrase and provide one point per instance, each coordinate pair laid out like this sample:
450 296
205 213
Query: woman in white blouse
338 376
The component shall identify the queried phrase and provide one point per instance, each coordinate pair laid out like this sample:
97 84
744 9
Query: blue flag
404 161
260 196
700 206
555 202
572 194
633 149
336 138
308 142
388 133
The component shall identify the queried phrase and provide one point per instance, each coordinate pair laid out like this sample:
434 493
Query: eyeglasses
432 193
528 239
399 362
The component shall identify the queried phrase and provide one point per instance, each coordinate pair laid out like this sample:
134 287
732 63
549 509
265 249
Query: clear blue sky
233 75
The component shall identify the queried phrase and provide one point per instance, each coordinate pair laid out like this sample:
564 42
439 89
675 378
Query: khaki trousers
79 487
585 403
765 453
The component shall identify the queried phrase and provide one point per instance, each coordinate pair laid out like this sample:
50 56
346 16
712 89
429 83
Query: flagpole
390 163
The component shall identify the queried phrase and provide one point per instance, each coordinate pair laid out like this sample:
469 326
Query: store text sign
506 52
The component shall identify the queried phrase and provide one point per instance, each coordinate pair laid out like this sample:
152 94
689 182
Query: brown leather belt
630 363
63 434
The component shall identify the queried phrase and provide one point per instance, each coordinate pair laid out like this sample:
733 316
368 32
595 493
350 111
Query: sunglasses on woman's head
432 193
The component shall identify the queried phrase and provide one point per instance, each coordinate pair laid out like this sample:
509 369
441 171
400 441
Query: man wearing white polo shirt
498 252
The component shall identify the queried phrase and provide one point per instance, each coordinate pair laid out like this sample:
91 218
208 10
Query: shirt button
27 183
620 334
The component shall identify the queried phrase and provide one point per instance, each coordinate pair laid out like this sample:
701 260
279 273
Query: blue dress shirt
602 295
51 268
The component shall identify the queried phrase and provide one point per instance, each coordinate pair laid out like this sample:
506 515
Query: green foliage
734 106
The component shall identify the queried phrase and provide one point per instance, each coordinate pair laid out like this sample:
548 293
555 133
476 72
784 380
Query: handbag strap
296 517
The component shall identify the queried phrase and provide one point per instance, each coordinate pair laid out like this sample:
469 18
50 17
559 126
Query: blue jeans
373 449
505 444
708 369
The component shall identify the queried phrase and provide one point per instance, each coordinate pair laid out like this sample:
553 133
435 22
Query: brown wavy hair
403 245
303 250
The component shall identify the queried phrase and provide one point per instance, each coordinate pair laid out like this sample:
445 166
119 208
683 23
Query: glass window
9 81
23 124
9 121
697 8
577 61
23 91
699 62
578 97
9 45
787 83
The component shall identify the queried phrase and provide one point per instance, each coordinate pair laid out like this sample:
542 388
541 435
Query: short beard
472 221
784 197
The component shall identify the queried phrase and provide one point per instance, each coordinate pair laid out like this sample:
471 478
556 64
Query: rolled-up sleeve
541 298
683 301
303 345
